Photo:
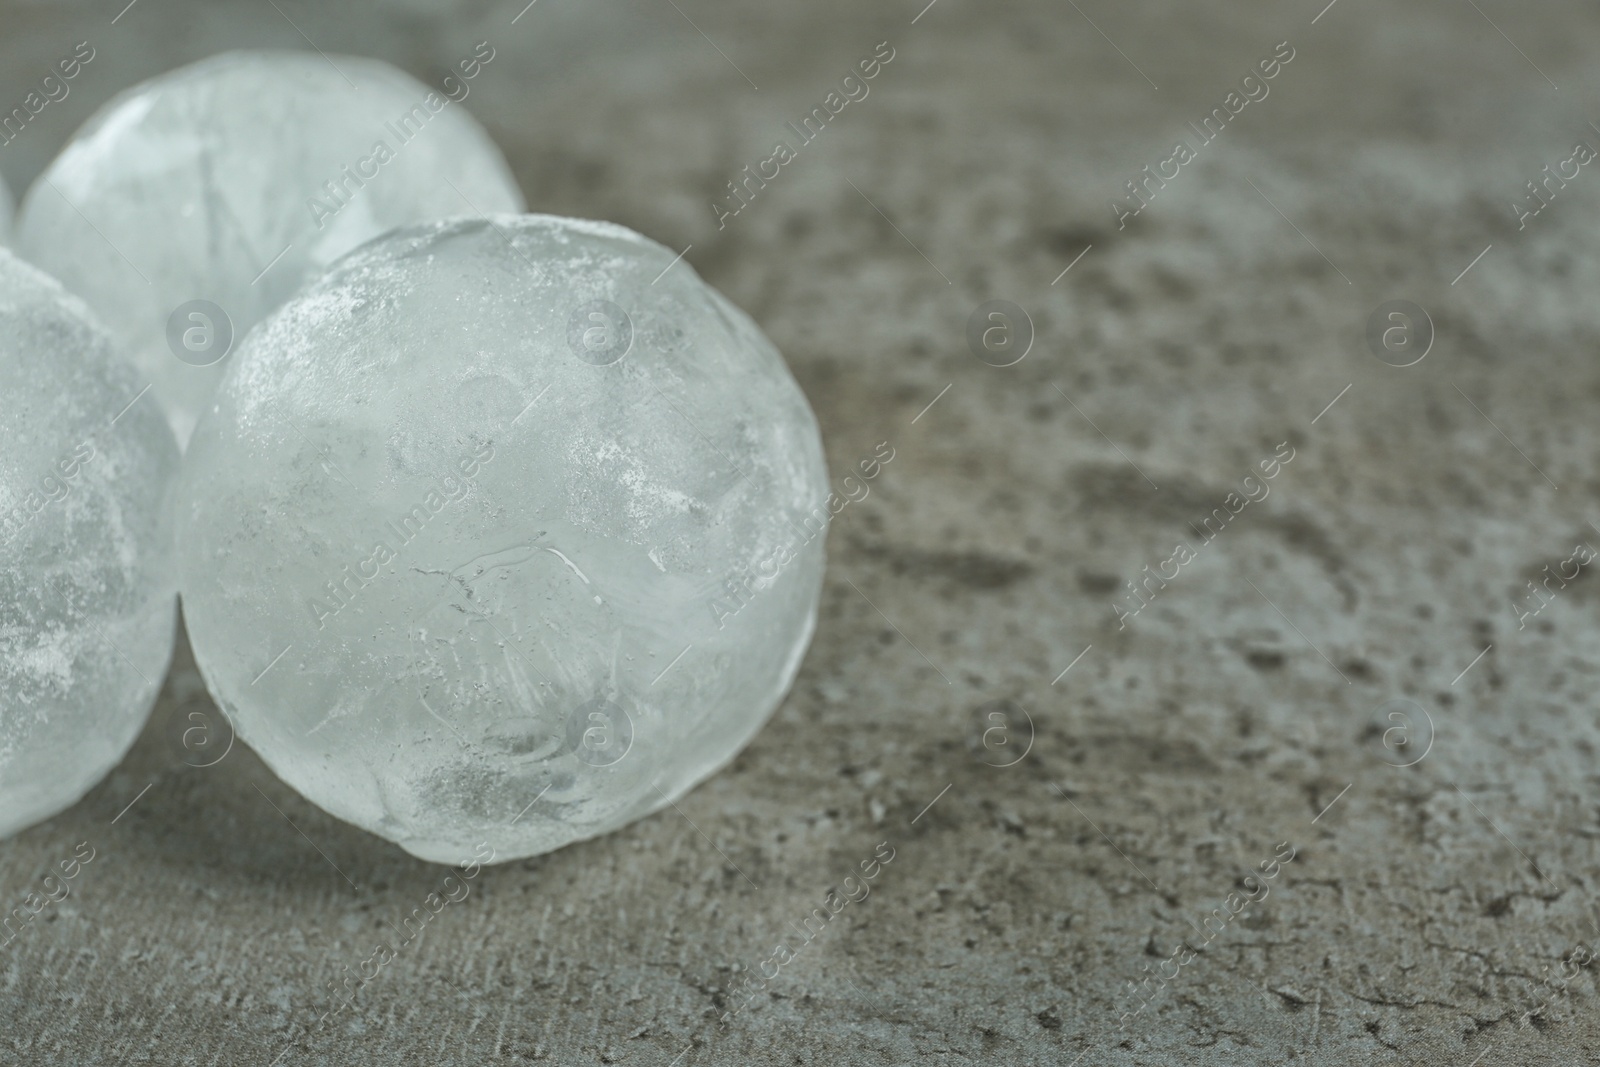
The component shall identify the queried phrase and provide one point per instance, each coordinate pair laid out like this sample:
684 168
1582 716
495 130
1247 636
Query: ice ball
192 204
506 530
87 576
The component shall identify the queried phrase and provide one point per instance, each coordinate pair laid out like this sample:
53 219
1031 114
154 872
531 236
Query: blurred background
1077 776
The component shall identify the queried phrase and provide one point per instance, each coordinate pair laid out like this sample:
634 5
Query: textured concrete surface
1074 906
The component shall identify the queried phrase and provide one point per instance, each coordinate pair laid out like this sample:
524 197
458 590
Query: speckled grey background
1428 910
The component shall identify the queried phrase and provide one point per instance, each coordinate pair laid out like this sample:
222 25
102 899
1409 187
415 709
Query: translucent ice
505 530
88 593
236 180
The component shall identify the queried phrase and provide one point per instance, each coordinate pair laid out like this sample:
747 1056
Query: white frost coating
466 541
87 583
202 177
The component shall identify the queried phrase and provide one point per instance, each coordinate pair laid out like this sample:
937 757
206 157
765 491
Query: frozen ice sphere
236 180
88 589
503 531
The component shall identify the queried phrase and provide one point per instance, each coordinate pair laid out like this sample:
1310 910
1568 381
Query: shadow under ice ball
458 538
87 581
220 188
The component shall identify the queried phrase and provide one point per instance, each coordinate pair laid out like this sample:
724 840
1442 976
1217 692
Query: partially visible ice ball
234 181
88 593
503 531
6 209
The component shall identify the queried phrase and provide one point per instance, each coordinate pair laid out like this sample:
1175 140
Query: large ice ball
505 530
87 584
191 205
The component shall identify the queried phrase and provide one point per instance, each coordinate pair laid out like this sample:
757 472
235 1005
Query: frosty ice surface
88 591
459 534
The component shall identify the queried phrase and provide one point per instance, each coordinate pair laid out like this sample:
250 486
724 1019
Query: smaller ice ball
88 593
191 205
505 531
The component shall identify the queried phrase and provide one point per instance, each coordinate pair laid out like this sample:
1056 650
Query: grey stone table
1320 789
